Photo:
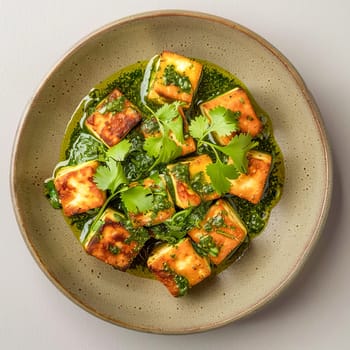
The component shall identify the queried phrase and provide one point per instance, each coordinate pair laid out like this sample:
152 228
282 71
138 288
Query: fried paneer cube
76 189
113 243
223 227
163 206
185 197
174 78
113 118
237 101
150 128
178 266
199 179
251 186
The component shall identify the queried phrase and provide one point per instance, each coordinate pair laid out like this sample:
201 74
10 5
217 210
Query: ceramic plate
275 256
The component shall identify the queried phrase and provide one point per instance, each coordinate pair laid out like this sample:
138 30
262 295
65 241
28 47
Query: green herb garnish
223 122
162 147
172 77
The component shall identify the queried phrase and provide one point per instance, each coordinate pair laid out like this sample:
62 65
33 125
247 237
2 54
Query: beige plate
275 256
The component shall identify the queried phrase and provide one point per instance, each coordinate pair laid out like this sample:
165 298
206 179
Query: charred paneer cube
237 101
179 267
174 78
162 204
150 128
76 189
185 196
251 185
220 233
113 118
113 242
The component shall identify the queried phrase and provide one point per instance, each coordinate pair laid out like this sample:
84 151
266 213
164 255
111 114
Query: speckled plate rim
318 225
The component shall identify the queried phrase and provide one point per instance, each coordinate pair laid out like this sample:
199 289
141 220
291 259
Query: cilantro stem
103 208
213 147
149 109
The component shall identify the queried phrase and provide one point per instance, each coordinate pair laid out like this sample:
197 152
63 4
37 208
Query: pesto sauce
214 81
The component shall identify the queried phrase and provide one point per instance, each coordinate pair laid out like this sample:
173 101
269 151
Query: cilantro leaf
219 173
176 126
153 146
170 151
162 148
110 176
223 121
167 111
199 127
137 199
237 149
171 119
119 151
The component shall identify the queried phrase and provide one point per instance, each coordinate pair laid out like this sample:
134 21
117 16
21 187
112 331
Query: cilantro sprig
223 122
110 176
161 146
137 199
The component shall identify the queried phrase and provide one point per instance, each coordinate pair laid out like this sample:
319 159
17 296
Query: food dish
145 174
293 227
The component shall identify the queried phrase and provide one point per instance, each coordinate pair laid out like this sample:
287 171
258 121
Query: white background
314 312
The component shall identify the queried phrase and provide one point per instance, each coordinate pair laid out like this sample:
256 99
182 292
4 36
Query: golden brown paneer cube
76 189
163 206
113 118
185 197
174 78
225 228
150 128
199 179
178 266
251 186
113 243
235 100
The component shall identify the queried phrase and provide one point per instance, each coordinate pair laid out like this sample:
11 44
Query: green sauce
78 146
172 77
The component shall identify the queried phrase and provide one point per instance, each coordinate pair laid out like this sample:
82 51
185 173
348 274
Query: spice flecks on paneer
76 189
251 186
178 266
162 208
237 101
113 118
113 243
199 179
185 196
225 228
175 78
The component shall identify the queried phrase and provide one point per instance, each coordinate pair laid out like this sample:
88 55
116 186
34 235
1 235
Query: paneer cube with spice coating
199 179
221 229
251 185
161 206
150 128
76 189
174 78
114 243
238 102
185 196
178 266
113 118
